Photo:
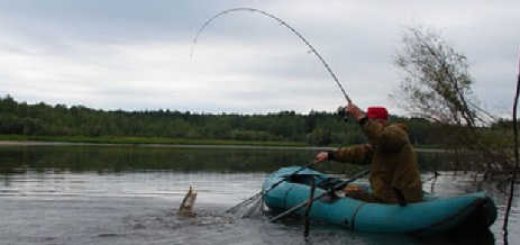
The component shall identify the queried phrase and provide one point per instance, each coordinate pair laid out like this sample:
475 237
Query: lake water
78 194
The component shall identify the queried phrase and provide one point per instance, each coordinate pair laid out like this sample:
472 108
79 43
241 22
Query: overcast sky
135 55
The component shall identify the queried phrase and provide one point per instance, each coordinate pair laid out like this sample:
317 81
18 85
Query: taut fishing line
255 203
283 23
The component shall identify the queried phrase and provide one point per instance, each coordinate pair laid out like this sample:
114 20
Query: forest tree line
314 128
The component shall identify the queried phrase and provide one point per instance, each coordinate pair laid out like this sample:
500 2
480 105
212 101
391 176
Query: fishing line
283 23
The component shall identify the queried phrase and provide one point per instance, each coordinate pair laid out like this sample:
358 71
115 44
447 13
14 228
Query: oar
262 192
336 187
306 222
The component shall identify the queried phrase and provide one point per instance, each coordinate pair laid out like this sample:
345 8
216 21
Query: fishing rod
283 23
312 49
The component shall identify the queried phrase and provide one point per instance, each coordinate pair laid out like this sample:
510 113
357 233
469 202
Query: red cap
377 112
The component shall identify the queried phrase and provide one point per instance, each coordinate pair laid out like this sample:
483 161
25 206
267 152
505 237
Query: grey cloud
358 40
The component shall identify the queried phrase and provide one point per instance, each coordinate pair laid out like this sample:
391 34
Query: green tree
437 86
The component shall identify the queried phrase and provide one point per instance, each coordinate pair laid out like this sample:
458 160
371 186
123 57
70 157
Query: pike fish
186 208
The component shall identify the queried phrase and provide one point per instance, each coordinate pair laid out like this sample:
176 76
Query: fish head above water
187 204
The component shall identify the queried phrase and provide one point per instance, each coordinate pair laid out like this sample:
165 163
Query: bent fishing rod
281 22
301 37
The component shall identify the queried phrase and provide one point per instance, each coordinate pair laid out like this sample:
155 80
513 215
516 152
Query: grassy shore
143 140
122 140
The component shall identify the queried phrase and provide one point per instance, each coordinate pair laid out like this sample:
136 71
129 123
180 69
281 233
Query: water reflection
127 195
135 158
103 159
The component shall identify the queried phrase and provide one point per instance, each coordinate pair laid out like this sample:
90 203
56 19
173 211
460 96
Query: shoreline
215 146
5 143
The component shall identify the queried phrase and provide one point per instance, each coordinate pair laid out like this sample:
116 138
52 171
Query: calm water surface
129 195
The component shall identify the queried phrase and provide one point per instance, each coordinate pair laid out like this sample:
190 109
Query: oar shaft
306 225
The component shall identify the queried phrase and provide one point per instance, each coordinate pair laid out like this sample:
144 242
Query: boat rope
281 22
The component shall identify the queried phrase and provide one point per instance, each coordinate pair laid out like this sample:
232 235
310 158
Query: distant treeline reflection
110 159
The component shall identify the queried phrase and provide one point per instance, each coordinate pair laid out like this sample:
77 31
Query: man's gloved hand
322 156
352 188
355 112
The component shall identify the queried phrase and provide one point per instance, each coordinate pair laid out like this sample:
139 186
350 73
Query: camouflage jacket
392 158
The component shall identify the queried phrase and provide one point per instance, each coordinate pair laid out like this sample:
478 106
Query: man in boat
394 173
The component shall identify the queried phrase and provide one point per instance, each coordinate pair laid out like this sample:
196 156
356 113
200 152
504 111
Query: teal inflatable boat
433 215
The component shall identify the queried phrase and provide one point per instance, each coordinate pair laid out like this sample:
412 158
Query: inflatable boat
432 215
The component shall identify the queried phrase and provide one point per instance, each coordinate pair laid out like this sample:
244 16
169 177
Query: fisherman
394 174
